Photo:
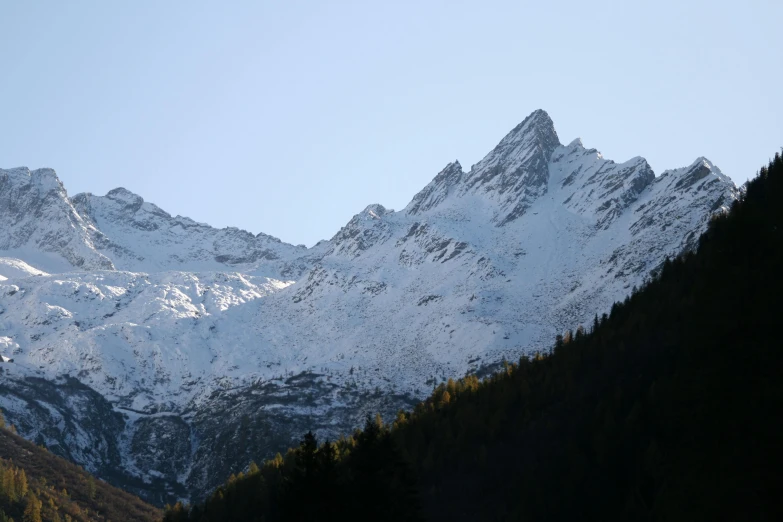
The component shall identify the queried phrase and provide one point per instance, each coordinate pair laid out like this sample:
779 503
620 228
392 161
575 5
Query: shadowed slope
61 488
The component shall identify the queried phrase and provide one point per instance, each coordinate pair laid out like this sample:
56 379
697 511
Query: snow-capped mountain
202 348
140 237
39 223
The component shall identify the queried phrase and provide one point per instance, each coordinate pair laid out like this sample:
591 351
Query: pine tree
21 484
445 399
580 332
32 510
7 484
178 513
559 342
91 491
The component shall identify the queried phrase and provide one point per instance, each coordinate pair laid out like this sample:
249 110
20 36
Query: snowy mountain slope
141 340
260 340
139 236
12 268
29 200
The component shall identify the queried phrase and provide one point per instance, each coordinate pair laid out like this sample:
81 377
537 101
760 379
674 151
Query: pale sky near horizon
290 117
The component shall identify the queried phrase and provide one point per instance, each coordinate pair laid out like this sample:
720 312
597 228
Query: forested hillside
37 486
669 408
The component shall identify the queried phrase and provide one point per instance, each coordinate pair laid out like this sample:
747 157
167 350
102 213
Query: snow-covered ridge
159 313
15 268
40 224
139 236
509 178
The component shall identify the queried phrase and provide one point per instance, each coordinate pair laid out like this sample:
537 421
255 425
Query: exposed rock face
511 177
204 348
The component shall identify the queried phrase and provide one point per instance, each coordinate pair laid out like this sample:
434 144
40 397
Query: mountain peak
701 161
125 197
700 169
45 179
121 193
538 115
533 139
538 125
36 215
376 210
515 173
437 190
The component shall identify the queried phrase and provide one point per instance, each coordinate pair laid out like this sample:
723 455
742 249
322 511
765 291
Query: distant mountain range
164 354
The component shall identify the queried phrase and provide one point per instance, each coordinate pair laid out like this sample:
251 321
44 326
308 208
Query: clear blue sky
289 117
